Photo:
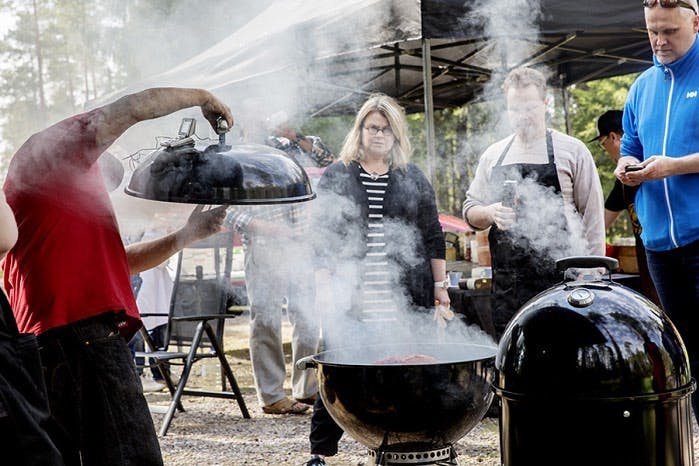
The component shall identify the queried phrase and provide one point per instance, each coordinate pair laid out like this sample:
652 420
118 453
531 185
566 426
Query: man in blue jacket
660 152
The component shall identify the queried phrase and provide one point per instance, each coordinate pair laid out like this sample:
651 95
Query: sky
6 22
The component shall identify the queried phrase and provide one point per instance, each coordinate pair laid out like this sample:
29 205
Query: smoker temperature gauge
581 297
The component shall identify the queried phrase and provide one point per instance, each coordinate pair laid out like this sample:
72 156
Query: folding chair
198 310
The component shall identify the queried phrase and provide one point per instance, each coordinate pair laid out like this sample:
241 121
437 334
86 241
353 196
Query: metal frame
188 358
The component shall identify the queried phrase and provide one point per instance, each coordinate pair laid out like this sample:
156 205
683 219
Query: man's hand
503 217
148 254
213 109
627 177
202 224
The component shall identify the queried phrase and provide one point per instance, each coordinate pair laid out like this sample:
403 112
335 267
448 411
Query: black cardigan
342 214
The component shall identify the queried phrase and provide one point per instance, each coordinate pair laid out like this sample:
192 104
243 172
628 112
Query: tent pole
429 108
566 113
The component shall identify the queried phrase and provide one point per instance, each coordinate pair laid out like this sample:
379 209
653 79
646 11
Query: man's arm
311 145
589 201
656 167
123 113
148 254
251 222
610 217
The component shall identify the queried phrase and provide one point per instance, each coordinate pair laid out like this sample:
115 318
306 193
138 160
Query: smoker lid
590 340
220 174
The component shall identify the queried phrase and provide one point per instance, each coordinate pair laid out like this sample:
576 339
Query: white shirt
577 175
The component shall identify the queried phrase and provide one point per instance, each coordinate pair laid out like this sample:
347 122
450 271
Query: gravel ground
212 431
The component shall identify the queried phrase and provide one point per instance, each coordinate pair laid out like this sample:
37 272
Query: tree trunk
39 60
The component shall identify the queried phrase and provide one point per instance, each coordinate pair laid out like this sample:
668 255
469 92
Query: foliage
60 55
587 102
57 56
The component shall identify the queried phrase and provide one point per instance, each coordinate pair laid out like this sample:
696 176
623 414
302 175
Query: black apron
520 272
24 410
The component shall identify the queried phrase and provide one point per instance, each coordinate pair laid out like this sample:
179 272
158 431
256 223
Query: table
474 307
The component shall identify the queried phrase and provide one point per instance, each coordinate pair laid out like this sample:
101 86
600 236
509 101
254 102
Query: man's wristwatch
443 284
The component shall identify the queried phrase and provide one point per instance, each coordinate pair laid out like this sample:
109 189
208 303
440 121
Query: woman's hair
395 114
523 77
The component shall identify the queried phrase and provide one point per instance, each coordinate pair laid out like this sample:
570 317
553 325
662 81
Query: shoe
316 461
308 401
285 406
150 385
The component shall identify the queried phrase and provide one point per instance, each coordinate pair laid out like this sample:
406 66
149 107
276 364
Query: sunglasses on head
668 4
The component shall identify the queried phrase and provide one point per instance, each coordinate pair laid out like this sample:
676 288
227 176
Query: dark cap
609 121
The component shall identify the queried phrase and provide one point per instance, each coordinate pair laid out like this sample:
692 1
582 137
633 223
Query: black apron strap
505 151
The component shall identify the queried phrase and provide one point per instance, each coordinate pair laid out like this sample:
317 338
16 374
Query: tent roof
329 55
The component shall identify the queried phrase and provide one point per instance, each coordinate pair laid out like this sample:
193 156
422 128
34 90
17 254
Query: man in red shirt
68 276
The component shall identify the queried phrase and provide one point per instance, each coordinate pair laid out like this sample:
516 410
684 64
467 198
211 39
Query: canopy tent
323 57
314 57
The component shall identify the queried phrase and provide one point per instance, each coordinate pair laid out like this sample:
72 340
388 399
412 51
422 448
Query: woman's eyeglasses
374 130
669 4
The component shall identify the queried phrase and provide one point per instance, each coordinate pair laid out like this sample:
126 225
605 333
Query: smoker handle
304 363
587 262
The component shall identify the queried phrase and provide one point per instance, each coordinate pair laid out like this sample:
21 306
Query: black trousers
24 409
325 433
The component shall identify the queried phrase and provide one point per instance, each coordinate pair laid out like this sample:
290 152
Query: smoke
510 30
548 225
344 322
513 39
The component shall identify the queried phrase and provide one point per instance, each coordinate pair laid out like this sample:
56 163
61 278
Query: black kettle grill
592 373
184 170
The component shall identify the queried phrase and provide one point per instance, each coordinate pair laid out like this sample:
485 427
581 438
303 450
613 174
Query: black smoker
592 373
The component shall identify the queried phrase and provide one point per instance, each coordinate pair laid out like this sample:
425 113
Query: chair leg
229 372
191 356
161 365
168 383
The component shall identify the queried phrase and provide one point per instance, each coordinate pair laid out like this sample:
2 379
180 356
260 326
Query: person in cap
622 197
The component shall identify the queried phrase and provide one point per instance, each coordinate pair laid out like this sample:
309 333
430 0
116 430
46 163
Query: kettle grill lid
220 174
589 340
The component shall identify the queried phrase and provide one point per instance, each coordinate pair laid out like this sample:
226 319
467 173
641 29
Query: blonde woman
383 250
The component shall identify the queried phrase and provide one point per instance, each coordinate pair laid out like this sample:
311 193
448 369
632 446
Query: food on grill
410 359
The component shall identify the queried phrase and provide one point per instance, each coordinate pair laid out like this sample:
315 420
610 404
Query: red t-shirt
69 262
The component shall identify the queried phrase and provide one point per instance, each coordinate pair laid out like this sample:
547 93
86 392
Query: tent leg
429 108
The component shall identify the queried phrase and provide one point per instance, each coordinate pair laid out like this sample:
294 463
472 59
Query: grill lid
185 171
590 339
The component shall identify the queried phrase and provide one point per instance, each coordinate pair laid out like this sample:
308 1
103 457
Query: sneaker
150 385
316 461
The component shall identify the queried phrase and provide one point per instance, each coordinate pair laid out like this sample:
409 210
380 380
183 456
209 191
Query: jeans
95 396
676 277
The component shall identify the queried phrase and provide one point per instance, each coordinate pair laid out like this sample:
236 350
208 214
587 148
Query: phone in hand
634 167
509 192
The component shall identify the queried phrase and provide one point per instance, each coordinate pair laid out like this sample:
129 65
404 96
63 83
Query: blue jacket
661 117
